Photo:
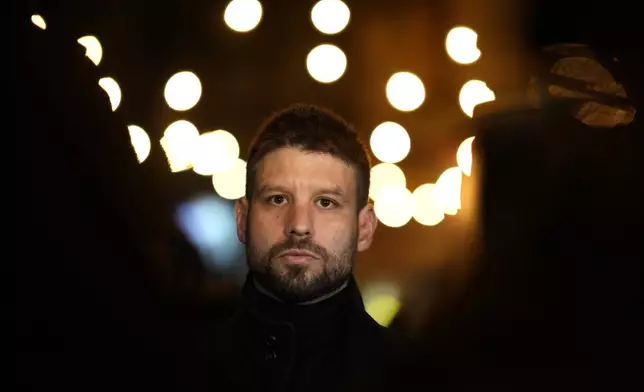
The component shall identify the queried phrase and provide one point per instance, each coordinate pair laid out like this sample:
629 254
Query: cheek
335 236
264 230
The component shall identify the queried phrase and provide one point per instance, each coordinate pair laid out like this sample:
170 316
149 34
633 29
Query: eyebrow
336 190
271 188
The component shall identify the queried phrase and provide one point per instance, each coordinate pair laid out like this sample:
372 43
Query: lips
298 256
299 253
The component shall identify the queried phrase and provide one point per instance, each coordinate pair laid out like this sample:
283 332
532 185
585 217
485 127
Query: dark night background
109 288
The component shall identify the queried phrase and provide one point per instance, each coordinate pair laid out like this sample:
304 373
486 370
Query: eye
276 199
326 202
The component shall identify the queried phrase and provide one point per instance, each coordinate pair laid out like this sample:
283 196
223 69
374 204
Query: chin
298 272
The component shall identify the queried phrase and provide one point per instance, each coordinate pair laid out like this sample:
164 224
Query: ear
241 217
367 223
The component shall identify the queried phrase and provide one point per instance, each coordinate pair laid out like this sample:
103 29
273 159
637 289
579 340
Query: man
302 325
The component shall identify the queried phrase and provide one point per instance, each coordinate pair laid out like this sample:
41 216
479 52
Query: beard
301 283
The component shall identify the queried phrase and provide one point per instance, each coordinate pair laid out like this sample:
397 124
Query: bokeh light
405 91
231 184
428 205
243 16
182 91
474 92
448 187
39 21
179 143
113 91
140 141
385 175
215 152
93 48
208 222
382 301
326 63
464 156
390 142
461 45
330 16
394 206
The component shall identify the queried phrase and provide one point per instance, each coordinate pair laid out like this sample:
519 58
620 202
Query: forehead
290 166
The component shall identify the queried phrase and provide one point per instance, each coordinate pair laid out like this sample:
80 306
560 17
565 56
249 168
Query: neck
321 298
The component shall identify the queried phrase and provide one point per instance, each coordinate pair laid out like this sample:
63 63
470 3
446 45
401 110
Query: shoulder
377 339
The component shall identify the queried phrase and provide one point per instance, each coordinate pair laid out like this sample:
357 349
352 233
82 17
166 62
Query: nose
299 222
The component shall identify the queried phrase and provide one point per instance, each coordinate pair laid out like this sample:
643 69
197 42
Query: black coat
269 346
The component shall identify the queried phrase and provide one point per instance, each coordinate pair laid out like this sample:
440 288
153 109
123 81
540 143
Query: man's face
302 228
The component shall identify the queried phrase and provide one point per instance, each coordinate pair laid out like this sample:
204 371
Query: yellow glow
231 184
179 142
39 21
405 91
384 175
428 205
394 206
448 187
464 156
326 63
140 141
215 152
182 91
243 15
461 45
390 142
93 48
382 308
330 16
113 91
474 92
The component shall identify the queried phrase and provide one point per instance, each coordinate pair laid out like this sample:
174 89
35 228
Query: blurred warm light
215 152
461 45
326 63
330 16
140 141
448 187
243 15
231 184
390 142
394 206
113 91
39 21
382 301
385 175
93 48
464 156
474 92
179 142
382 308
428 205
405 91
182 91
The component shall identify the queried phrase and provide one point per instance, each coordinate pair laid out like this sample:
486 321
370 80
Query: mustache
292 244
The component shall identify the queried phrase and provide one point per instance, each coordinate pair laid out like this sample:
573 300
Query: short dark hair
316 129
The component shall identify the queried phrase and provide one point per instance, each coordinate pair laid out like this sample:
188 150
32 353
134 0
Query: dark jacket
270 346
